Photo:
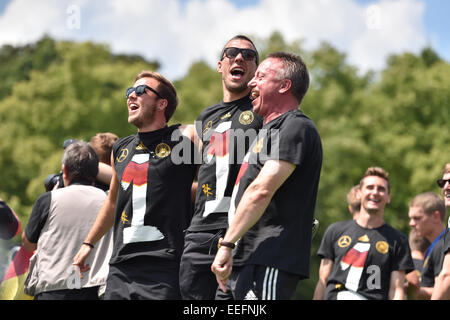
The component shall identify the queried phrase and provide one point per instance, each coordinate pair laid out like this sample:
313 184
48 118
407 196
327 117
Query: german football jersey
282 236
363 259
226 130
154 197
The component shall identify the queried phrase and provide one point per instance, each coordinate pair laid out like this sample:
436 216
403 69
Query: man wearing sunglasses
148 223
216 126
441 289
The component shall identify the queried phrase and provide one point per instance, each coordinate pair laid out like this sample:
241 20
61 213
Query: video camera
56 179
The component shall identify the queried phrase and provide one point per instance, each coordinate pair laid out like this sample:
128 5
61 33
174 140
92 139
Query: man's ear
219 66
286 85
64 171
162 104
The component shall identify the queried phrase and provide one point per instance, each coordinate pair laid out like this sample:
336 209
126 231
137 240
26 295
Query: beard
236 87
143 118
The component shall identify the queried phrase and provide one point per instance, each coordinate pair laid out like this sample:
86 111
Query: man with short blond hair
366 258
427 218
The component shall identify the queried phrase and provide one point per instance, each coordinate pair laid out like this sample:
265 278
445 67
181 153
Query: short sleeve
38 217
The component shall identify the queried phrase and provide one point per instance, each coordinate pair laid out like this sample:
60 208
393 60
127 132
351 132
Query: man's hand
222 266
80 259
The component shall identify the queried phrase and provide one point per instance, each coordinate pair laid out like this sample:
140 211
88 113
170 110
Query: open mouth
254 94
237 72
133 107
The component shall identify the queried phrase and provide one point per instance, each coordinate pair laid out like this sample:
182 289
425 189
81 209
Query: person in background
427 218
354 202
366 258
10 224
59 222
419 246
102 144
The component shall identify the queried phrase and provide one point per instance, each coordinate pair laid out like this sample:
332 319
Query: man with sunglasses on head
441 289
148 221
222 128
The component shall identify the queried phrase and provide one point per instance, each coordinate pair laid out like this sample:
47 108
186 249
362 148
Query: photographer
59 222
102 144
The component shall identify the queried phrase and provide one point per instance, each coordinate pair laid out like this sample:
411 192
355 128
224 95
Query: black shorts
143 278
256 282
90 293
197 282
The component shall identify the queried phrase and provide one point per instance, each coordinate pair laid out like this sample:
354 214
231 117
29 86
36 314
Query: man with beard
149 202
225 131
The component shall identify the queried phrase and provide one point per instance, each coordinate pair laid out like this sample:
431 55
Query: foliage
397 119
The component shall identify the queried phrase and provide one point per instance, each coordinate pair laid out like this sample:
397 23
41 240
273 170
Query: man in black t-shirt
427 218
266 249
225 130
441 289
364 258
149 202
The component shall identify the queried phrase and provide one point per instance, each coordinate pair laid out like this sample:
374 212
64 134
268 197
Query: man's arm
254 202
441 289
28 245
326 266
397 285
104 173
102 224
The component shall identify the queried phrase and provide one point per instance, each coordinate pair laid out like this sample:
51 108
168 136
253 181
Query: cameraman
59 222
102 144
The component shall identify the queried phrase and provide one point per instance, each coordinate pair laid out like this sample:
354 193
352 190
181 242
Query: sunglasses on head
140 90
232 52
441 182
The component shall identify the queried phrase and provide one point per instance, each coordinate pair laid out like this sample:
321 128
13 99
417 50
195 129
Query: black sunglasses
441 182
233 52
140 90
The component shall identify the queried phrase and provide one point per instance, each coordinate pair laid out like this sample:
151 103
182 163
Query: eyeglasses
247 54
441 182
140 90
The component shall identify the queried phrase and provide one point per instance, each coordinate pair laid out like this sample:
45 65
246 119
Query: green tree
78 94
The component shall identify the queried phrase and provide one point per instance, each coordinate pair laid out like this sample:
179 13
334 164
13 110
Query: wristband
222 243
89 244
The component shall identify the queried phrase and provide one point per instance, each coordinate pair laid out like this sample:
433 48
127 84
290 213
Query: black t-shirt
282 236
364 258
226 129
38 217
154 198
9 224
432 264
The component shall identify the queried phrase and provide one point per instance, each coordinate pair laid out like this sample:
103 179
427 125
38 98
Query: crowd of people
222 209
